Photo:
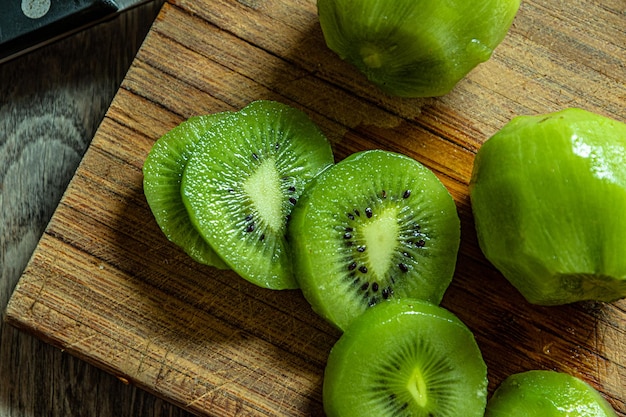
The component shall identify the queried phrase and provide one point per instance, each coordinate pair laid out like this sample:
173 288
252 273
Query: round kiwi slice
548 194
415 48
162 175
544 393
405 358
243 180
375 226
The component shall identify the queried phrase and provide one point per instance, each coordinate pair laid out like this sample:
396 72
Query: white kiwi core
417 387
263 190
372 56
381 239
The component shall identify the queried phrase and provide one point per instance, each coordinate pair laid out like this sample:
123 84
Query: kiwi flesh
546 393
415 48
244 179
548 193
375 226
162 176
405 358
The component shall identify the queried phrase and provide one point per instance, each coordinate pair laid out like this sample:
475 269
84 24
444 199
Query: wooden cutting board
105 285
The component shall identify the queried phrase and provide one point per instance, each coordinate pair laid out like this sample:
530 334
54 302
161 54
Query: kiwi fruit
243 180
405 358
548 194
375 226
415 48
546 393
162 176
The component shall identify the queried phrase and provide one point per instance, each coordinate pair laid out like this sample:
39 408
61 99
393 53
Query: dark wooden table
51 103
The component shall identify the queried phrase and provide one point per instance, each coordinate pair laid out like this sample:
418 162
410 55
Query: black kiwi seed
293 201
250 228
350 216
368 212
347 235
375 287
406 194
363 269
357 212
292 189
352 266
255 156
361 248
403 267
386 292
365 286
383 194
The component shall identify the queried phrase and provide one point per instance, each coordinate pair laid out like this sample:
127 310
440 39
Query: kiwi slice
544 393
415 48
375 226
243 180
405 358
162 175
548 193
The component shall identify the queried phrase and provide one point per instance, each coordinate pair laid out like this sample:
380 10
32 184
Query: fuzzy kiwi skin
162 176
548 195
243 180
415 48
326 233
545 393
405 358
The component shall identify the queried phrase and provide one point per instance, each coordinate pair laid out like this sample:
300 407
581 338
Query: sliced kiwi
548 194
162 175
243 180
415 48
545 393
375 226
405 358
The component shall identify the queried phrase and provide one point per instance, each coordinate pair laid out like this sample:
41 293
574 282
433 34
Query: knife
26 25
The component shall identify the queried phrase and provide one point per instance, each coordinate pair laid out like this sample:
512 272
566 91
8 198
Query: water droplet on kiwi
479 50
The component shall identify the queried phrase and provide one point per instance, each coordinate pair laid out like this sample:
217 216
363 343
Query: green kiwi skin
162 175
265 136
369 369
322 256
546 393
415 48
548 194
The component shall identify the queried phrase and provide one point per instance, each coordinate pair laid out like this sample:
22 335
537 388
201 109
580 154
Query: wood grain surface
51 103
105 285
